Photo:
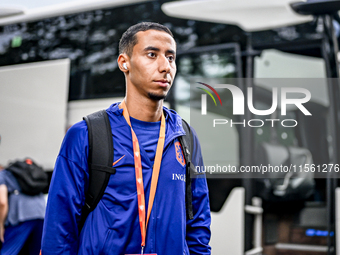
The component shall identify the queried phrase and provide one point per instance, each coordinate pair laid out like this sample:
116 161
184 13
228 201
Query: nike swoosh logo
118 160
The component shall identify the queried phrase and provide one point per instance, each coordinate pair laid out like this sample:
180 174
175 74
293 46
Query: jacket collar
173 121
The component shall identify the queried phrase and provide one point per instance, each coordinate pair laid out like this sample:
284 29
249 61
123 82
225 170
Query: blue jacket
113 227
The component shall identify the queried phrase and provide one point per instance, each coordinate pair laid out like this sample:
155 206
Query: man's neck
144 109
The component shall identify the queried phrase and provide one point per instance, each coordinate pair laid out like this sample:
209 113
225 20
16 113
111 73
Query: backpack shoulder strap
187 145
100 160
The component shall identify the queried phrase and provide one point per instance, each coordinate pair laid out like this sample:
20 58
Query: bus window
90 40
276 69
212 65
277 64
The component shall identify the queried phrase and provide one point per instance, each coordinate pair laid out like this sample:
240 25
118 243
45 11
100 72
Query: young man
145 136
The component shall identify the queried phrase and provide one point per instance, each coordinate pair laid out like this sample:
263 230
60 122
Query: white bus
58 64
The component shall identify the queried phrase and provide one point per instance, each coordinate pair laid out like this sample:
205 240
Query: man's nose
164 64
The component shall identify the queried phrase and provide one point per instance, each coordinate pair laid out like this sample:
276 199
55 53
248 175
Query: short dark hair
129 38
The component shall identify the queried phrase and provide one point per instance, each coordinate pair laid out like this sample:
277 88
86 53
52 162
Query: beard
156 97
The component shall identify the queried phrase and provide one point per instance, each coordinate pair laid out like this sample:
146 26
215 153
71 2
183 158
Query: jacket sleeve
66 195
198 229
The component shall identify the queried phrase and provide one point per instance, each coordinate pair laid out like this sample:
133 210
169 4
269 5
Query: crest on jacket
179 153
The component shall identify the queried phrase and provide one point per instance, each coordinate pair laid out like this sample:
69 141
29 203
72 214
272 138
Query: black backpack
32 178
100 161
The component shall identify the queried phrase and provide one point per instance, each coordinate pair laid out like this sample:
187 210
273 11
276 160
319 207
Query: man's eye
151 54
171 58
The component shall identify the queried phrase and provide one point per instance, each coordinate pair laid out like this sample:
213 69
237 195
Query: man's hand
3 209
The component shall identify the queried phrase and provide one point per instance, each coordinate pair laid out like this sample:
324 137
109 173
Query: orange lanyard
139 174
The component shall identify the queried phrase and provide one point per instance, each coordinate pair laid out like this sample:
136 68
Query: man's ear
123 62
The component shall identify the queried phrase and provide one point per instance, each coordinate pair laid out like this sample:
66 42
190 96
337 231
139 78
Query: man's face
152 67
